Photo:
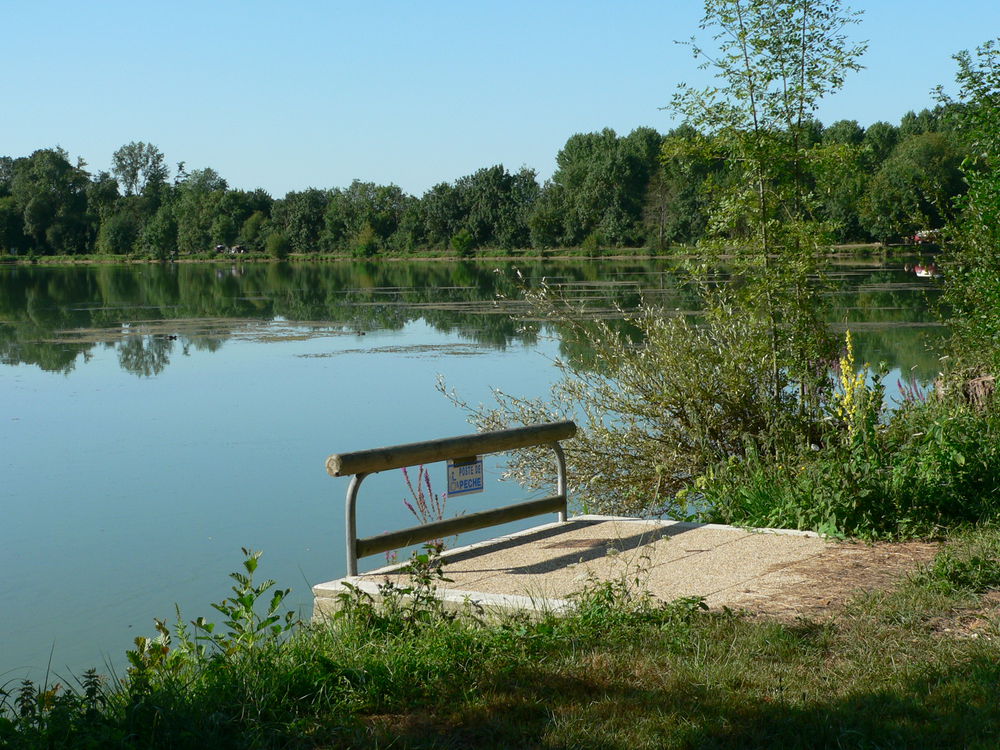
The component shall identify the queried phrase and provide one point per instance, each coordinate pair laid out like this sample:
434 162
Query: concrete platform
539 569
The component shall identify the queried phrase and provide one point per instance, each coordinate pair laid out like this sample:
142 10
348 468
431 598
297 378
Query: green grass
916 667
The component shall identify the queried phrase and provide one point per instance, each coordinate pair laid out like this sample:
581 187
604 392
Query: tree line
880 183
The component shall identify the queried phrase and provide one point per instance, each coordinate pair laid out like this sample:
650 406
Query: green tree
972 286
139 167
158 237
299 216
444 213
6 175
253 231
411 232
840 185
676 197
52 196
844 133
102 196
601 184
879 141
668 399
196 207
360 209
912 123
914 189
496 205
12 237
546 219
278 245
119 233
775 60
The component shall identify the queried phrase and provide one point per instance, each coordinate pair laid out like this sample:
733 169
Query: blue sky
314 94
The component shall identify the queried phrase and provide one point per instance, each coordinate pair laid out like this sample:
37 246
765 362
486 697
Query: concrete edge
325 600
325 594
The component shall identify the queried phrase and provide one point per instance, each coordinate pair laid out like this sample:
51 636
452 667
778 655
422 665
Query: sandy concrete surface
771 571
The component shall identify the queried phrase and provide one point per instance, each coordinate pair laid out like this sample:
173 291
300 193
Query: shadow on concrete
578 554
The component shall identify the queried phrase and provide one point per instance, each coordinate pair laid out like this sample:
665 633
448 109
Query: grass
915 667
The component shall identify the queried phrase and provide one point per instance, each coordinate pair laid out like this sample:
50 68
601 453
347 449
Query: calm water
155 419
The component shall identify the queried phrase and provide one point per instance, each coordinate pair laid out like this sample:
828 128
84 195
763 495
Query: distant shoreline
837 251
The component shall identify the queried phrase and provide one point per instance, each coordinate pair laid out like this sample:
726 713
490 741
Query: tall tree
879 140
675 209
364 215
496 205
775 59
196 208
914 189
299 217
444 213
139 166
52 196
972 287
602 181
844 132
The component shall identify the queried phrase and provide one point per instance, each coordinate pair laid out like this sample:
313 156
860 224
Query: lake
157 418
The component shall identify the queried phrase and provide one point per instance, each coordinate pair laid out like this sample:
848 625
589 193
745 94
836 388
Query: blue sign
465 475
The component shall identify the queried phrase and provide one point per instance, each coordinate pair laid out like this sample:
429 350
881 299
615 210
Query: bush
661 400
365 243
463 243
692 420
118 235
592 244
927 467
278 245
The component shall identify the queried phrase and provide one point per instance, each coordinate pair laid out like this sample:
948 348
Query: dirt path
826 582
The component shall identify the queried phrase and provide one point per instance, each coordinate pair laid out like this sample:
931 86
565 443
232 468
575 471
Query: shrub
463 243
365 243
278 245
661 400
925 467
592 244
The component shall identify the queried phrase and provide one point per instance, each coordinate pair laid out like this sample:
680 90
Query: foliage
775 60
248 629
640 188
462 243
300 217
365 243
402 608
914 188
277 245
620 669
676 207
656 413
599 186
158 237
51 194
972 289
139 167
362 217
667 399
119 234
952 573
925 467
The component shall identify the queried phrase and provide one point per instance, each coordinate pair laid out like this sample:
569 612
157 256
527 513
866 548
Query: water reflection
53 318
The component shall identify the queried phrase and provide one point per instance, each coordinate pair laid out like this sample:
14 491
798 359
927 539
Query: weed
620 670
401 607
423 503
951 573
247 630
